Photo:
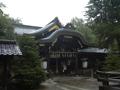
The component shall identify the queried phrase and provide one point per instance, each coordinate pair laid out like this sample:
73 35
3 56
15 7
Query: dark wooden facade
69 58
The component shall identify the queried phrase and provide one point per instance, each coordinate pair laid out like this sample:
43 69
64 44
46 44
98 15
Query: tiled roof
65 32
93 50
9 47
26 26
45 31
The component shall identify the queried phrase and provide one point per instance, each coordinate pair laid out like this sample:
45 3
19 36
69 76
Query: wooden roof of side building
9 48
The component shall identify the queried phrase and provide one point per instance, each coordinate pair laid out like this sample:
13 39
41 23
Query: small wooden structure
8 49
109 80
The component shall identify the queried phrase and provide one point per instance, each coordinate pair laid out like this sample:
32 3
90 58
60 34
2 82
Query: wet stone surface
70 83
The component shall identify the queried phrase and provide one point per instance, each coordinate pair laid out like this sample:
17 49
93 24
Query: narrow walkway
70 83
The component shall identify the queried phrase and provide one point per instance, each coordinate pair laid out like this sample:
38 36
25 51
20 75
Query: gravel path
70 83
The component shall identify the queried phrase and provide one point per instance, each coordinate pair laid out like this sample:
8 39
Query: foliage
27 68
6 28
107 11
16 21
104 18
112 63
81 27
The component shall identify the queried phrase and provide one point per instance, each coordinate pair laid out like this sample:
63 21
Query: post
56 66
6 71
76 64
48 63
5 75
92 72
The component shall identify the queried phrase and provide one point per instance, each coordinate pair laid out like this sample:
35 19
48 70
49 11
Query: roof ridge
6 41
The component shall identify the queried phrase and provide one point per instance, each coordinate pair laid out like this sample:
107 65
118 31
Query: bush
112 63
27 71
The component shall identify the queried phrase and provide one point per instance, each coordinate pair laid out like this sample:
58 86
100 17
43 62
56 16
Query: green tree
104 18
27 69
81 27
6 28
112 63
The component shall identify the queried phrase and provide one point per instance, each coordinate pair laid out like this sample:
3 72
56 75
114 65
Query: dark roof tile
9 47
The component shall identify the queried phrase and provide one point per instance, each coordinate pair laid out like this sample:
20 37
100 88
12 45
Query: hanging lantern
84 63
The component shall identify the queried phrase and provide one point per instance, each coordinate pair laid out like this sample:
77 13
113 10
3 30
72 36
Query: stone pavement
70 83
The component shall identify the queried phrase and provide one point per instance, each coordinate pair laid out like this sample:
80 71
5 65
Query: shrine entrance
66 53
65 50
63 62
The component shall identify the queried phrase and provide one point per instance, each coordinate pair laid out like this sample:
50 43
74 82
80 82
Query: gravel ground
70 83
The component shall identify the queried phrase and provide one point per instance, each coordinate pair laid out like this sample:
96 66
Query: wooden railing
62 54
109 80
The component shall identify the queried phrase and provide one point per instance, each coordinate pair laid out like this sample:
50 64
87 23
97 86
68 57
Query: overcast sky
41 12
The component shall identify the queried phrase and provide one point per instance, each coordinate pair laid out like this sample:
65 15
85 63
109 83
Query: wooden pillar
56 66
6 72
92 72
48 63
5 75
48 59
93 66
76 64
